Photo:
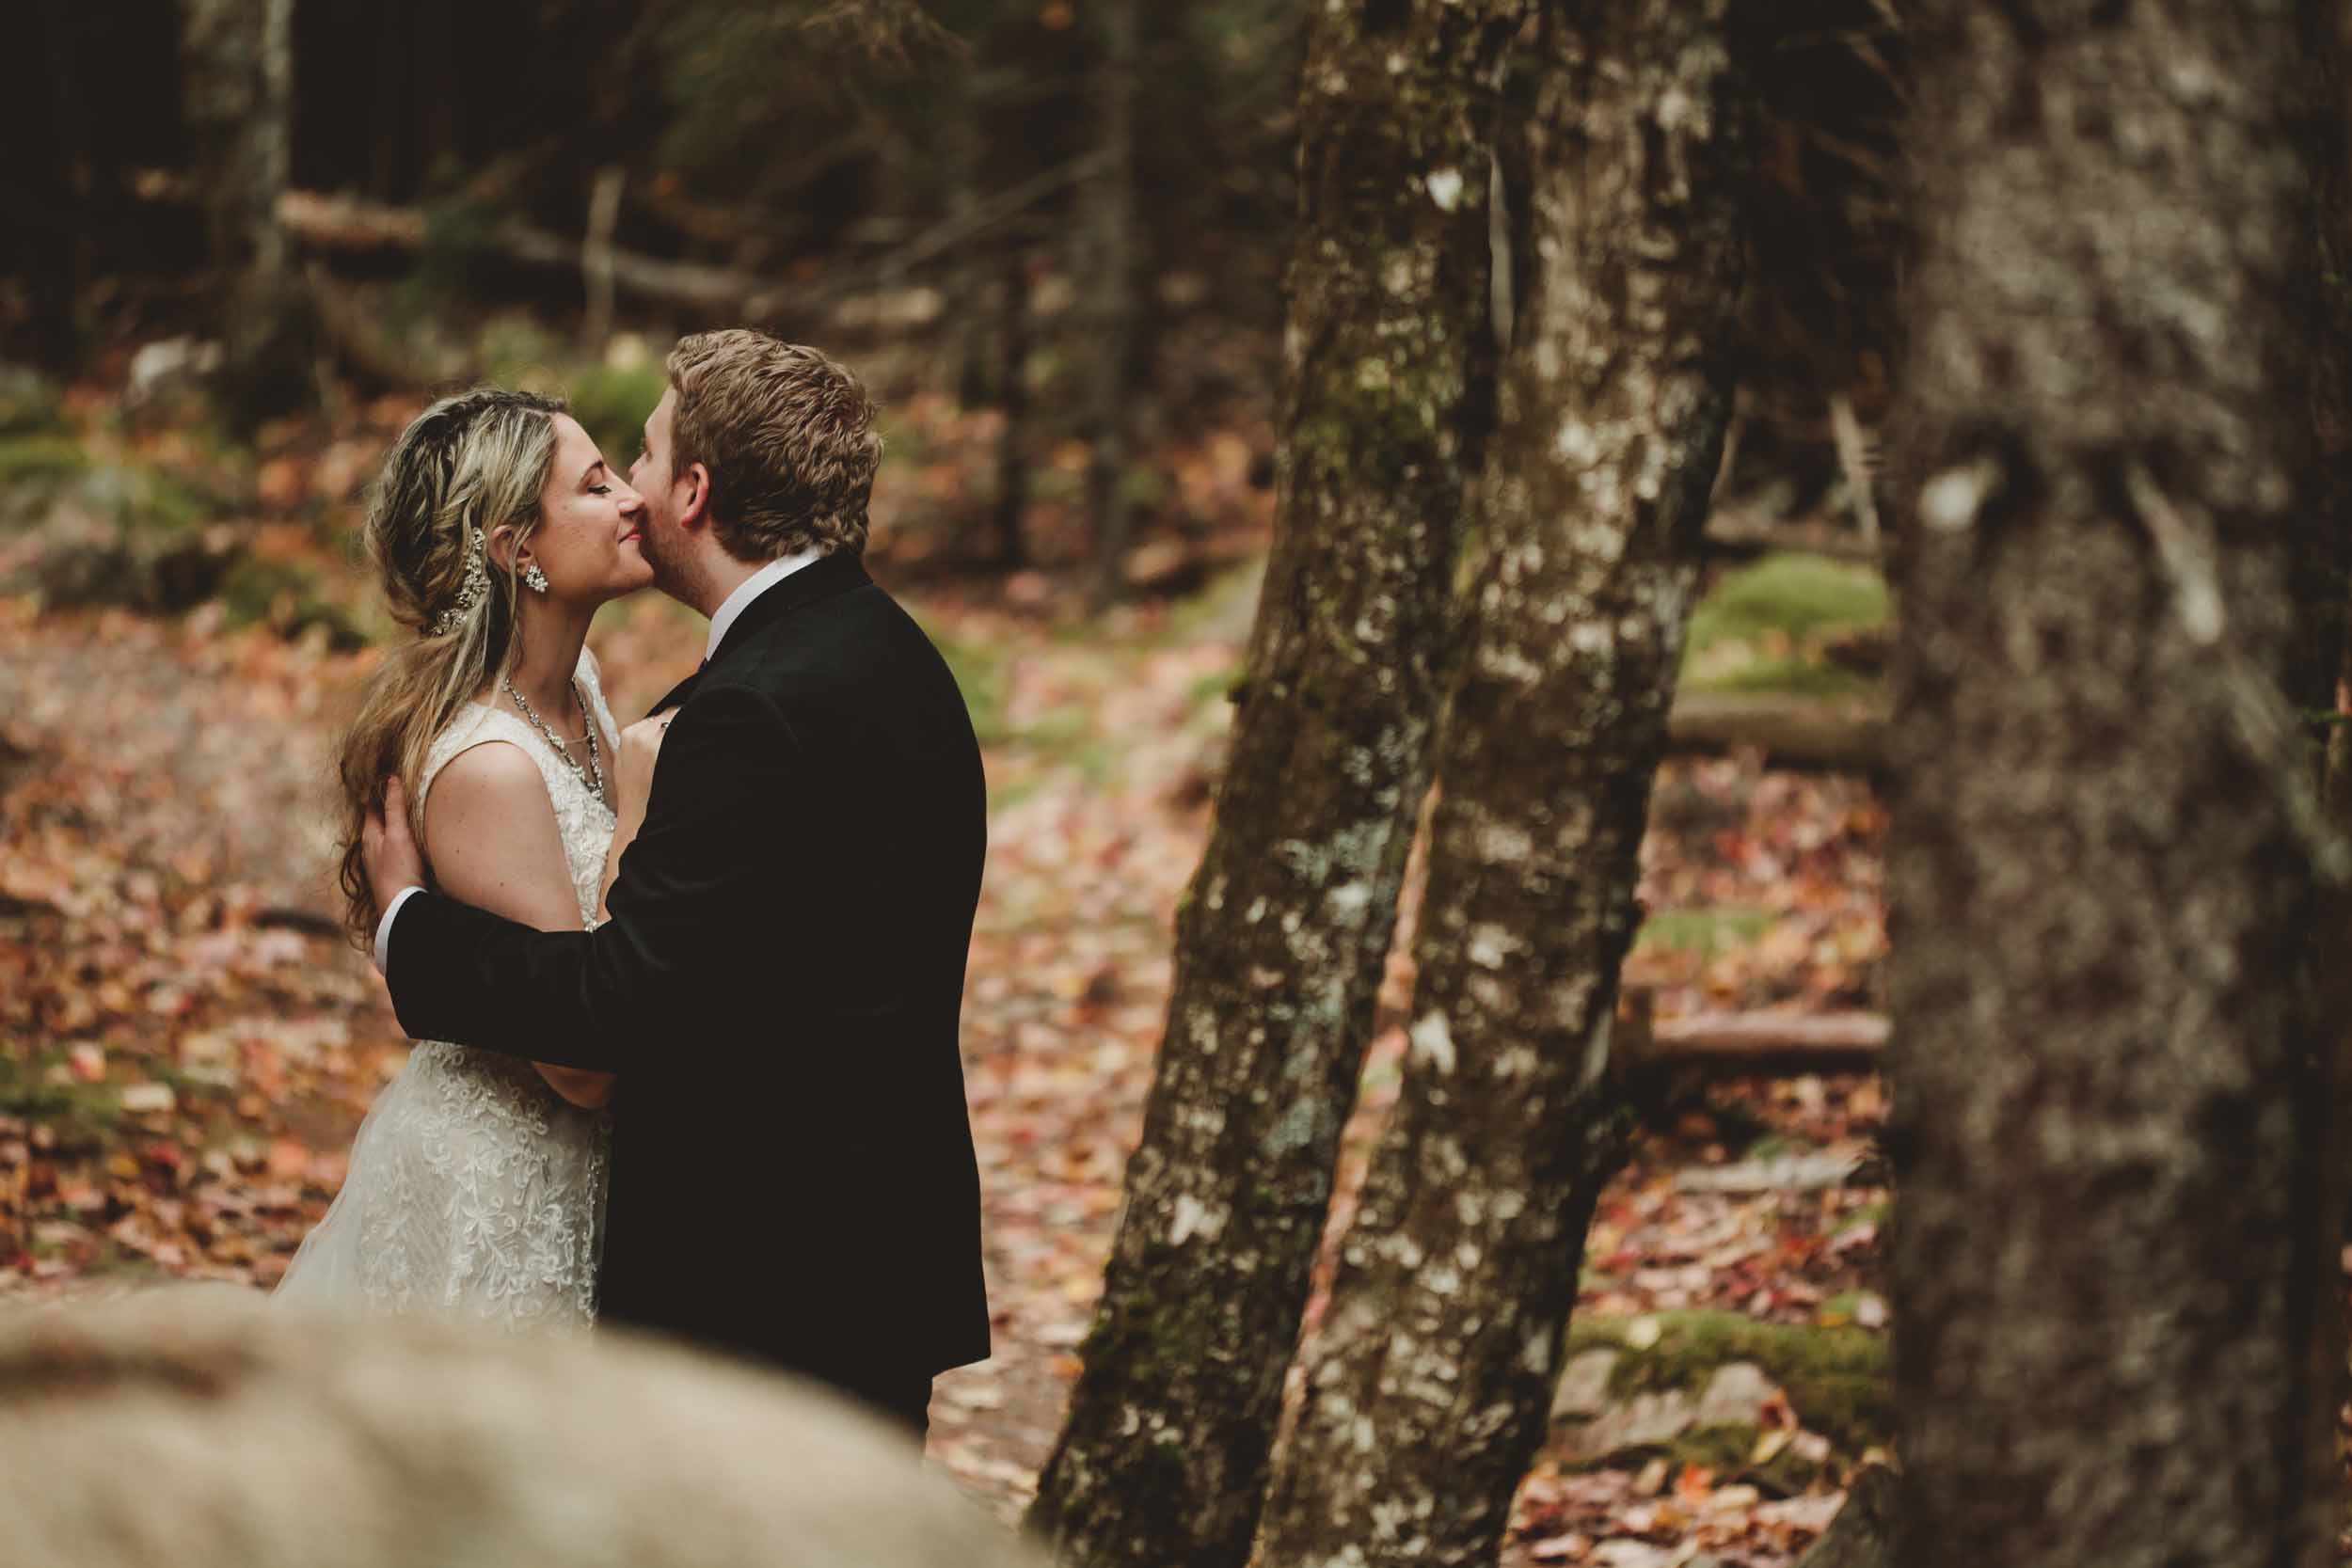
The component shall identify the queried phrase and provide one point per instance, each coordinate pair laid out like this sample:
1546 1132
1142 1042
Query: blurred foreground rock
199 1426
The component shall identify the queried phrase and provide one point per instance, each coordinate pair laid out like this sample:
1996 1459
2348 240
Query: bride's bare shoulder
491 836
492 785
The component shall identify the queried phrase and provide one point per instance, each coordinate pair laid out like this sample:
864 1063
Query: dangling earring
534 579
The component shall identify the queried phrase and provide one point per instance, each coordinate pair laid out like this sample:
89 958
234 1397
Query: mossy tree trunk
1431 1377
237 87
2110 1239
1282 936
237 76
2324 582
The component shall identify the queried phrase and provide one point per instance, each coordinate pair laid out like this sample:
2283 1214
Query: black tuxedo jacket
778 985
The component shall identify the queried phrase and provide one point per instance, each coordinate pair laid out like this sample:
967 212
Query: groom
779 981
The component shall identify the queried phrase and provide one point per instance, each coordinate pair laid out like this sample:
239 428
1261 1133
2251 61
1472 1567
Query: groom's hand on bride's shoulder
386 846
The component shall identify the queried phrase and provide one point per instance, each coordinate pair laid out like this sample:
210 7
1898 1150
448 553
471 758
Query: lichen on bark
2108 1252
1282 940
1430 1377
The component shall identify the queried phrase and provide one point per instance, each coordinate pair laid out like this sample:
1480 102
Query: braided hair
468 469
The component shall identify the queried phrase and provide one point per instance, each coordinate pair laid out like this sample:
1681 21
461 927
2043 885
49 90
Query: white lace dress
474 1189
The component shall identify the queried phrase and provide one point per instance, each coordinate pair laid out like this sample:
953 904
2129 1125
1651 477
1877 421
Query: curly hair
788 435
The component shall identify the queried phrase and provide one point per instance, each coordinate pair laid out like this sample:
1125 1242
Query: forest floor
189 1046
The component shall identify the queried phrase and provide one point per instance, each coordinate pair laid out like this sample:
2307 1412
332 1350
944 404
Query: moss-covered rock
115 534
30 403
1836 1379
1769 628
1791 593
280 594
1703 1388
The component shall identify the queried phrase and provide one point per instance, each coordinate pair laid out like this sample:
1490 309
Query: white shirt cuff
384 930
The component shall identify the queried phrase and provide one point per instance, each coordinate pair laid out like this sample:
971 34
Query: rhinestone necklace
591 775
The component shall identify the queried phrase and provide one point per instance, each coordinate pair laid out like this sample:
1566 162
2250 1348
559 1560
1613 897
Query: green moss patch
1795 595
1763 627
29 403
1704 931
39 455
1836 1379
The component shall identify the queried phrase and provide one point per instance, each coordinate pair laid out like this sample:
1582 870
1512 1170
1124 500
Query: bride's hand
632 782
641 747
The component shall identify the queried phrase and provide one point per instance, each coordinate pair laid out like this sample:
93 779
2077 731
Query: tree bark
2108 1250
237 74
238 82
1431 1376
49 246
1012 394
1283 934
1857 1538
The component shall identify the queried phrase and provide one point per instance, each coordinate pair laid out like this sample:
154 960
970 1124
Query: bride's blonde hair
468 470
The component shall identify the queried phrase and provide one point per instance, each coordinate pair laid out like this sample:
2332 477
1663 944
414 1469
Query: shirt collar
752 588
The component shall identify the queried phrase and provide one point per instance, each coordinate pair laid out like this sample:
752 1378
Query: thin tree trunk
237 74
1012 395
2111 1236
1432 1373
596 257
1112 201
1282 937
54 259
238 82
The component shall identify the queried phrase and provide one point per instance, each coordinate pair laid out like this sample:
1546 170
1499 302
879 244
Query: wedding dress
474 1189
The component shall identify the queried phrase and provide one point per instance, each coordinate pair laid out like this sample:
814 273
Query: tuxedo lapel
818 581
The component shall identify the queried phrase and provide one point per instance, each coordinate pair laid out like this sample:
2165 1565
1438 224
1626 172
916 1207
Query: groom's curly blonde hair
788 435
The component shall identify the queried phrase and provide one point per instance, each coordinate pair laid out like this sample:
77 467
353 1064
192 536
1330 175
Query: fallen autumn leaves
187 1053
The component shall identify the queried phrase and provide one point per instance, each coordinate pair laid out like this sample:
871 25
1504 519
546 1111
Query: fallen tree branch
1825 735
1733 533
1766 1044
346 222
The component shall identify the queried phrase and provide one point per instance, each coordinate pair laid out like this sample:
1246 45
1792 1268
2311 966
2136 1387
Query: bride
477 1181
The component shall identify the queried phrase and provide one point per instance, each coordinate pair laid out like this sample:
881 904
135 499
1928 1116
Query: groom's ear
696 510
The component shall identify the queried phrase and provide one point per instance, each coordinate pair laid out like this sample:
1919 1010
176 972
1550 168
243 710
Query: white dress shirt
725 616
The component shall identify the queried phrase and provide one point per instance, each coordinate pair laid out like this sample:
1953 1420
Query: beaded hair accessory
470 592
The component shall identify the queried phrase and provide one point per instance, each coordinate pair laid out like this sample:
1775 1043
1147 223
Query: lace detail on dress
473 1187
